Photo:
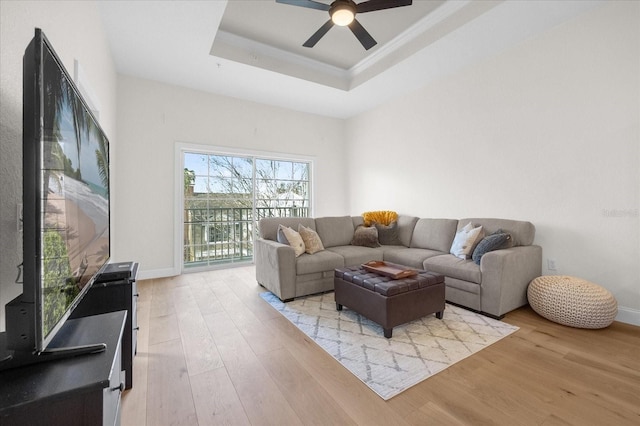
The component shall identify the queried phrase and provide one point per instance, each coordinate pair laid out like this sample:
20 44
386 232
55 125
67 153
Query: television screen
65 197
73 220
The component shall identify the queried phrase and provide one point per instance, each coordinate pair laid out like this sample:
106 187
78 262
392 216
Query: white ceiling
251 49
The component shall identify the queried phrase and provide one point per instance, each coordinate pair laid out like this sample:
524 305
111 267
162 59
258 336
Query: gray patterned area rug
416 351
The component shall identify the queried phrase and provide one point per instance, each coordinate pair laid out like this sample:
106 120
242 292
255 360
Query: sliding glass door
225 196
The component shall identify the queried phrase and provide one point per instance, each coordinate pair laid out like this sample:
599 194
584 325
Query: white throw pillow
465 241
294 239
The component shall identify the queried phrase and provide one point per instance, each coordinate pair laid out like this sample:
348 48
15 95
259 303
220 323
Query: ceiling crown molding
250 52
395 45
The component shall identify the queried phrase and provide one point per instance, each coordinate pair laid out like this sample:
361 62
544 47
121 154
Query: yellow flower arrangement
383 217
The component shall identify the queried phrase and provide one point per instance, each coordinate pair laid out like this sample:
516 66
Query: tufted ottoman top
387 286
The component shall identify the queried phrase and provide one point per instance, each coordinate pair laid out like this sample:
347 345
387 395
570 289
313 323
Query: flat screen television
66 242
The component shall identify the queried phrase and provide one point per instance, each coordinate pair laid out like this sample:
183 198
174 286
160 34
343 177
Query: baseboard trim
157 273
628 315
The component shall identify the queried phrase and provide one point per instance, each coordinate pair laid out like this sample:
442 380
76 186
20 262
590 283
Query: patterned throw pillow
466 240
312 241
292 238
365 236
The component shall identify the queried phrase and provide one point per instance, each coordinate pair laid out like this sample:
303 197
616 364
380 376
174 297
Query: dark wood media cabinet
115 290
80 390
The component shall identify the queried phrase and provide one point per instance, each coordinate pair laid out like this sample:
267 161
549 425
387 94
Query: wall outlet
551 265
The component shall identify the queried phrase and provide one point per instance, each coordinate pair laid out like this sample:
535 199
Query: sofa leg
387 332
338 307
439 314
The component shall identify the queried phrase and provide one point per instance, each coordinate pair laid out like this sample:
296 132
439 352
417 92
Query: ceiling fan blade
310 4
318 34
363 36
371 5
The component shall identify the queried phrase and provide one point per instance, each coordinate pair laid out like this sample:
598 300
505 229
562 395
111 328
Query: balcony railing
225 234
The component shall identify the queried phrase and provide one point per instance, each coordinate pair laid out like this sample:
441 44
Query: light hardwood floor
211 351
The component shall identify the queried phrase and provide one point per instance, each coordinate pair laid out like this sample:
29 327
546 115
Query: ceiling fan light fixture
342 13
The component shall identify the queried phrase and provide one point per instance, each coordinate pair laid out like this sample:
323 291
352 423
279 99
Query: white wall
546 132
153 117
75 31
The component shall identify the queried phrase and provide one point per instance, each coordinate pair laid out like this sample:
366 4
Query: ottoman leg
439 314
388 332
338 307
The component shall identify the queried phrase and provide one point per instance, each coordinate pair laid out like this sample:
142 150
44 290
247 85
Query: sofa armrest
505 277
276 267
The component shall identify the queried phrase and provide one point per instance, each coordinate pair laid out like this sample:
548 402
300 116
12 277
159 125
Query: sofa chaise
495 286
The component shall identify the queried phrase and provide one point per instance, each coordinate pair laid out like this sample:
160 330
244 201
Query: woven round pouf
572 301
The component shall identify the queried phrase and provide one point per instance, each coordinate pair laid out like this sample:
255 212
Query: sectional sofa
495 286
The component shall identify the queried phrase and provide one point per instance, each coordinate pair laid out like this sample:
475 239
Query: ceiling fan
343 13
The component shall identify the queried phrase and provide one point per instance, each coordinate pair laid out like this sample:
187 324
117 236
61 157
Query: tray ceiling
286 27
252 49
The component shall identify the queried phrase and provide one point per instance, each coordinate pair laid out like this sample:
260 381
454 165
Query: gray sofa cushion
318 262
406 224
412 257
268 226
357 221
451 266
522 232
386 249
335 231
356 255
434 234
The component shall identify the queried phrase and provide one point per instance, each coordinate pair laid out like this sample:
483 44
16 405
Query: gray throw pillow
507 244
489 243
282 239
388 234
365 236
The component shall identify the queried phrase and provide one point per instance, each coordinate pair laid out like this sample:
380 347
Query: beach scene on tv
75 204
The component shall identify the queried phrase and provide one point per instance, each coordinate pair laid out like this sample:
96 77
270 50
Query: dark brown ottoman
387 301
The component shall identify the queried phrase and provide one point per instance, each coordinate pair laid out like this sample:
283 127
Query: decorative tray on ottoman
389 269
